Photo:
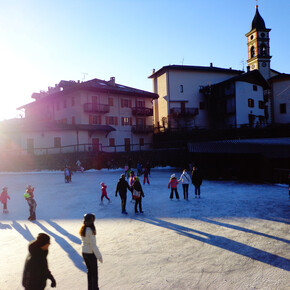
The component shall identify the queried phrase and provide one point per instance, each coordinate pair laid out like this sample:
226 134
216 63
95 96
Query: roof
253 77
258 22
23 125
280 77
195 68
95 85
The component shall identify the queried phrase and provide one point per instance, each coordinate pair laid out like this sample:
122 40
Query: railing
89 147
96 108
182 112
142 111
142 129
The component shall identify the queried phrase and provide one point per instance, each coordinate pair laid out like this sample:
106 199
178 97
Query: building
95 115
212 97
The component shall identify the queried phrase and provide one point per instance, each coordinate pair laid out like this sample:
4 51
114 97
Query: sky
236 236
44 42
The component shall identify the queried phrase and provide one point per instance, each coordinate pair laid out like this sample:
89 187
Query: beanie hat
102 183
122 175
173 175
42 239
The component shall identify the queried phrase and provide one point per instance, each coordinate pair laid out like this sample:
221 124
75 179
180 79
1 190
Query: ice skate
101 203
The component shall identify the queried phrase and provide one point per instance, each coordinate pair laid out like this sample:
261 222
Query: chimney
211 64
153 71
248 68
112 81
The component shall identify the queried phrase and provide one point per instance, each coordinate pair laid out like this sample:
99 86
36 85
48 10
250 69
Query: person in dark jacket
137 194
196 179
122 187
36 270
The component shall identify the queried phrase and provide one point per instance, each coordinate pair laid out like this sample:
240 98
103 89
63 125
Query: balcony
183 112
96 108
142 129
142 111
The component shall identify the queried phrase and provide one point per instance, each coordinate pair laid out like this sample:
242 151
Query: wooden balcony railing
142 129
183 112
96 108
142 111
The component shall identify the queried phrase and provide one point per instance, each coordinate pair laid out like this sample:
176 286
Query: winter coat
89 244
196 177
185 178
104 189
36 270
122 187
4 196
137 186
173 182
131 179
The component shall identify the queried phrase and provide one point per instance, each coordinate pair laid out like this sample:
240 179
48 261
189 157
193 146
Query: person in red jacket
4 197
104 193
173 185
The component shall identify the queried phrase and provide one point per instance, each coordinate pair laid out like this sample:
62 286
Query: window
201 105
73 101
111 141
283 108
57 142
141 141
111 102
140 104
125 103
252 51
255 88
95 99
261 105
181 88
126 121
110 120
95 120
250 103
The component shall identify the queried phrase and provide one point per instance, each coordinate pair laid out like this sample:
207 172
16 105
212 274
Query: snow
236 236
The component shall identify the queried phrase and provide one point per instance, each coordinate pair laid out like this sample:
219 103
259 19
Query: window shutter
122 121
130 103
90 119
130 121
116 121
100 120
122 103
107 120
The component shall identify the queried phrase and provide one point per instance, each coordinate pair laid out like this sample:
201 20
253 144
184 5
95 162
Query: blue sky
43 42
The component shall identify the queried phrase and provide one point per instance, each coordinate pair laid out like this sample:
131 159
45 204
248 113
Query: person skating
4 197
122 187
90 251
104 193
36 270
196 179
146 175
131 181
29 196
173 182
67 175
137 194
185 180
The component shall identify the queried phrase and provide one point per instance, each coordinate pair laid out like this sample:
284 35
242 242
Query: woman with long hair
90 251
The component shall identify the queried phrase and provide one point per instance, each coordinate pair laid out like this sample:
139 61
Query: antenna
84 76
182 61
243 63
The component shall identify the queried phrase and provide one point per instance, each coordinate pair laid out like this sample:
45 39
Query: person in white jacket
185 180
90 251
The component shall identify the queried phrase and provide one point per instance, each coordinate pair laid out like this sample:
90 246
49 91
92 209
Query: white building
84 116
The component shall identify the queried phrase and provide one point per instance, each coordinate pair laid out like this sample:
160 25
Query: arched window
252 51
263 49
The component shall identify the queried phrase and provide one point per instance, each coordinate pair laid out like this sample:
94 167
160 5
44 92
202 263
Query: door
95 143
127 144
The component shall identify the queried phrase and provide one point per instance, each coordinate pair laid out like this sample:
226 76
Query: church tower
259 46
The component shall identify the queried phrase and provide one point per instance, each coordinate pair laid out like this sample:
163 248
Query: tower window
283 108
263 49
251 103
181 88
252 51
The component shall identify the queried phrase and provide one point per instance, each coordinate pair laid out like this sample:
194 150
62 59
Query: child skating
4 197
104 193
173 185
29 196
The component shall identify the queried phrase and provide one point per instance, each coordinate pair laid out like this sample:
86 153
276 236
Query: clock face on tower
264 64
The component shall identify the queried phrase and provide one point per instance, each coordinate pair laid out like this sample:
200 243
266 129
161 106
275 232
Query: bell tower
258 42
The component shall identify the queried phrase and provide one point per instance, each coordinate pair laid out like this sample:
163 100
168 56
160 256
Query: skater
29 196
104 193
131 181
173 185
122 187
146 175
137 194
185 180
196 179
36 270
67 175
139 168
90 251
4 197
79 166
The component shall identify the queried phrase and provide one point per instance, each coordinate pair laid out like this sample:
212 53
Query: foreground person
90 251
36 270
